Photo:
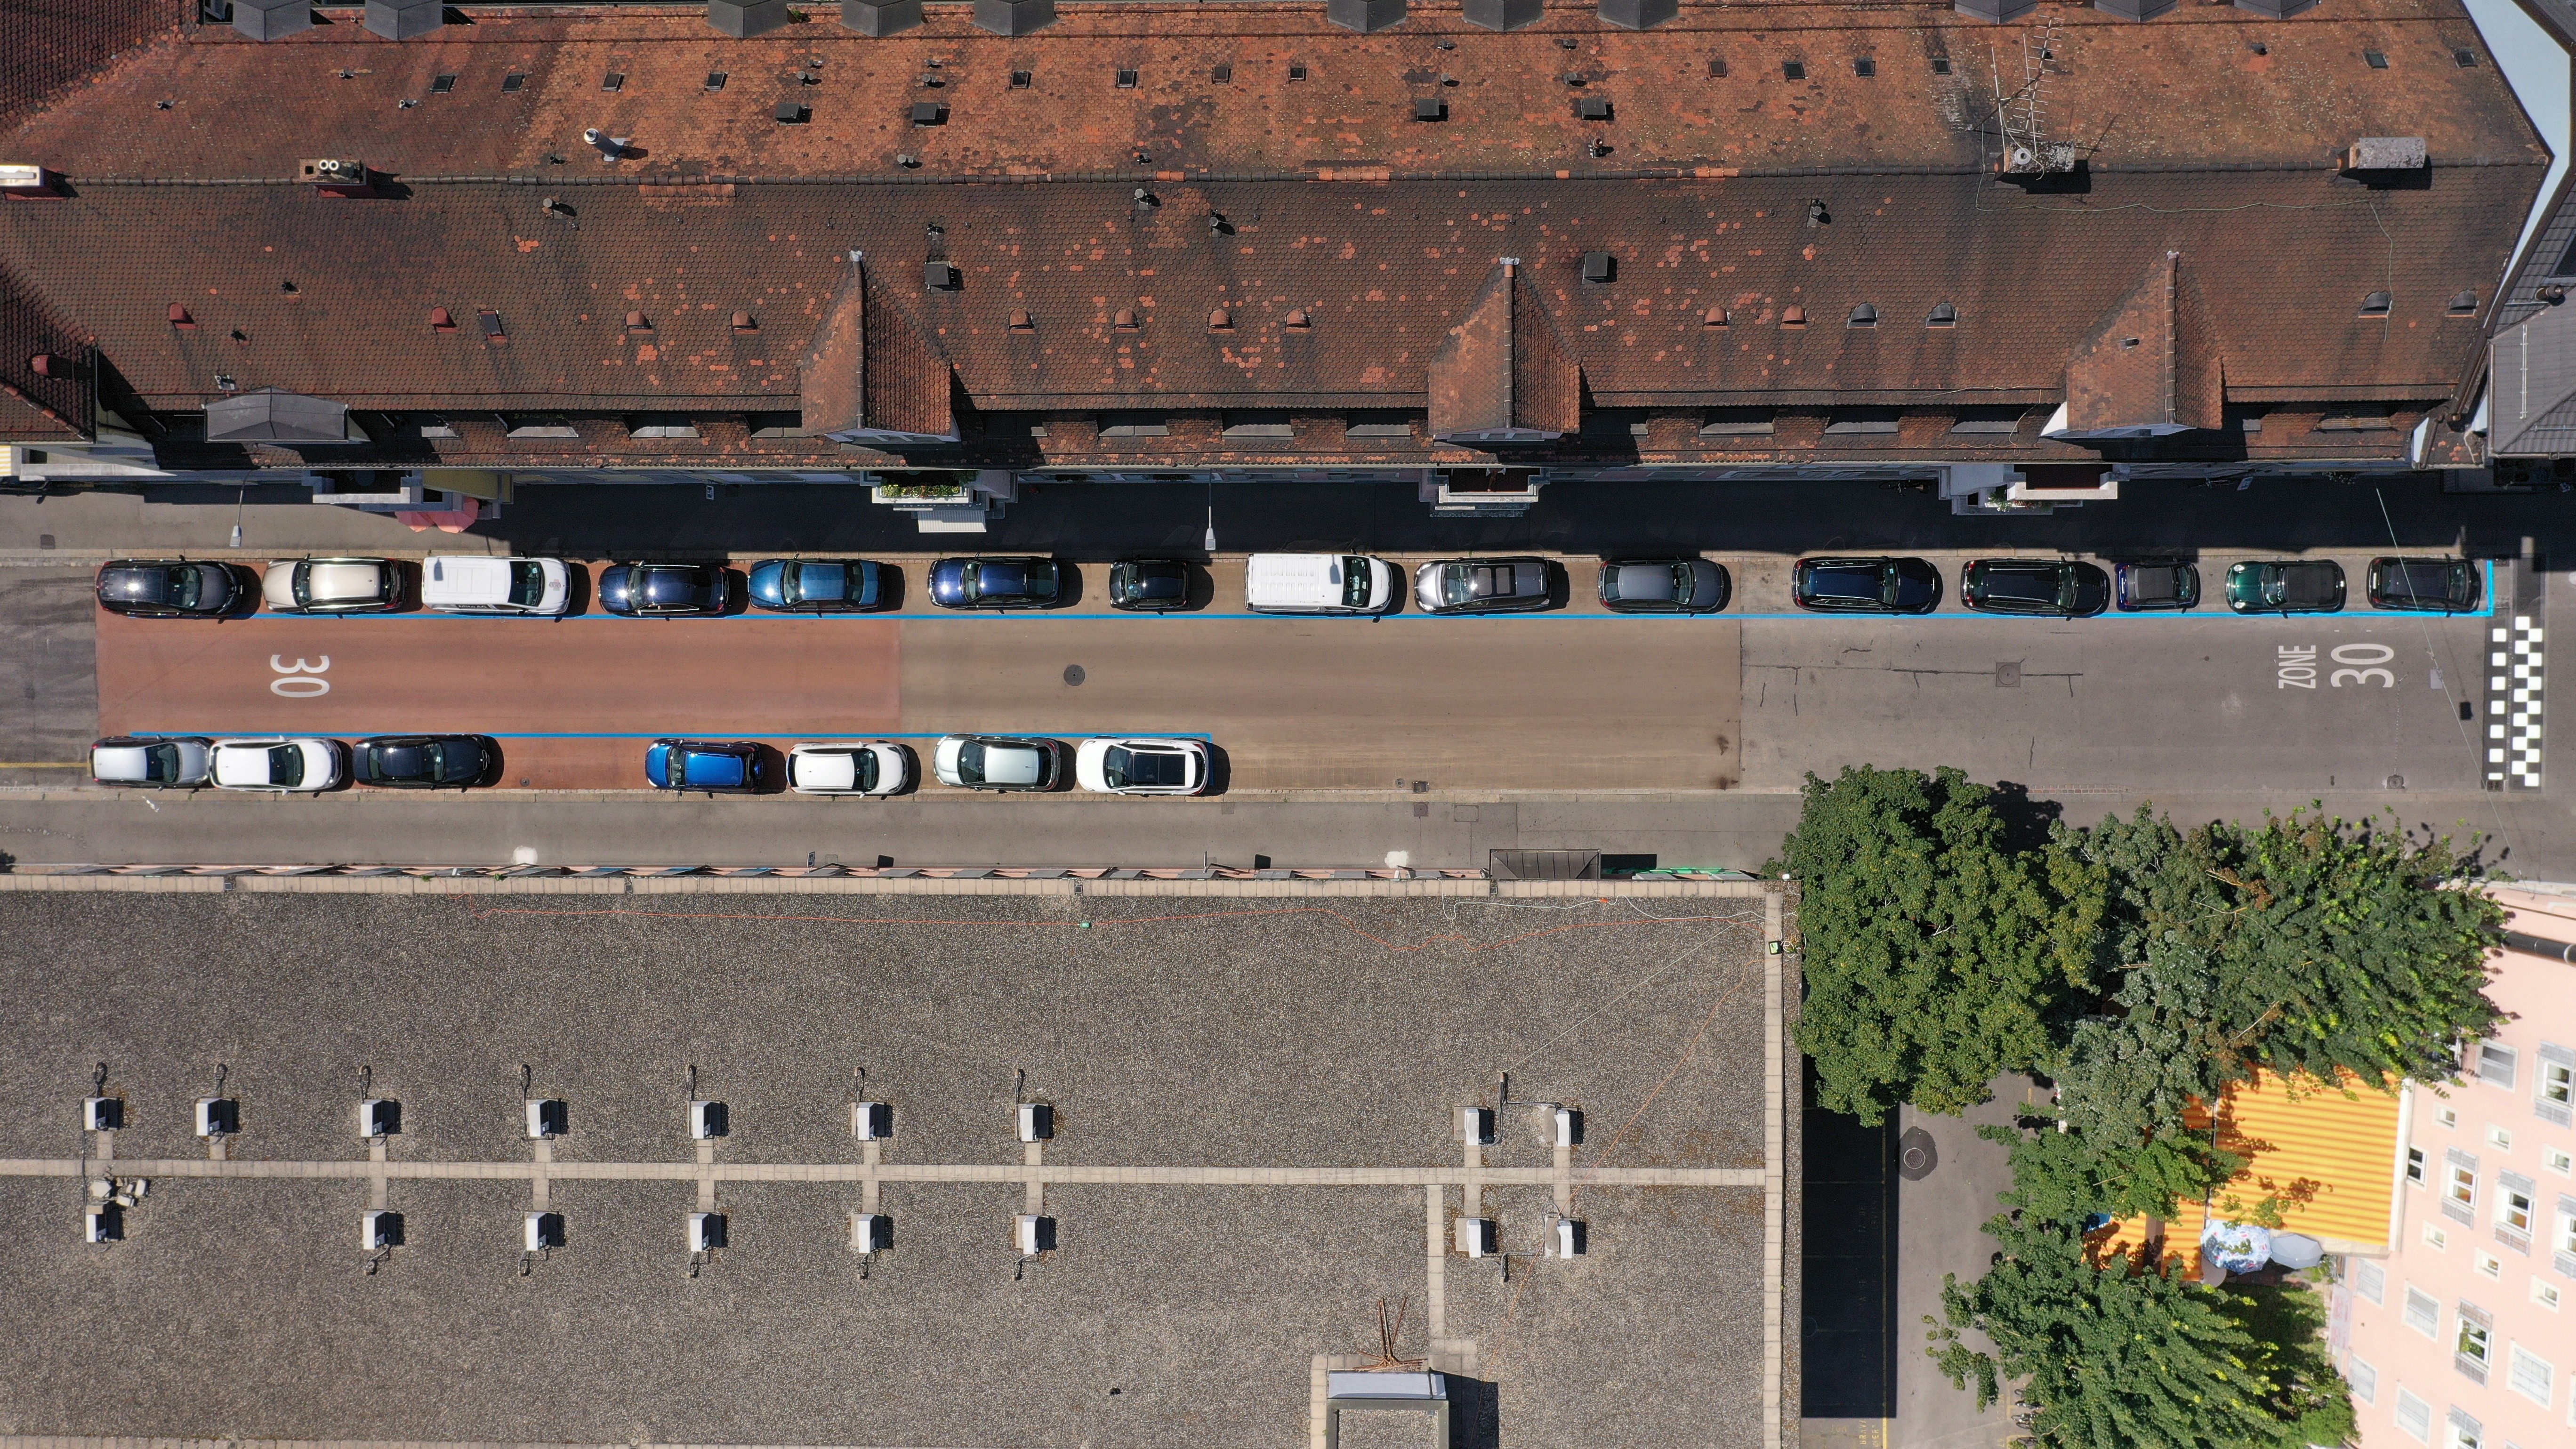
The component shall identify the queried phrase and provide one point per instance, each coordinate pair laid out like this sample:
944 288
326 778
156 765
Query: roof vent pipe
743 19
880 17
1365 16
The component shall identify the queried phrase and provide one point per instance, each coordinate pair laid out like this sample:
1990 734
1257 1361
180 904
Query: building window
2447 1117
2555 1091
2414 1416
2545 1294
2435 1238
2489 1265
2459 1186
2415 1165
2557 1160
2499 1138
2531 1376
660 425
2370 1280
2496 1064
2513 1213
2563 1241
539 425
2465 1432
2423 1311
2363 1378
2474 1343
1735 423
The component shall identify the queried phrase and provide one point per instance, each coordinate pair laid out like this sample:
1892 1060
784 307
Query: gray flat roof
1256 1133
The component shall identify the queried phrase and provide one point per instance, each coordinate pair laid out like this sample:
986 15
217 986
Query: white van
473 583
1319 583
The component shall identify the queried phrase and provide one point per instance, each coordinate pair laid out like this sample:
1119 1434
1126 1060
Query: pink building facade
2464 1335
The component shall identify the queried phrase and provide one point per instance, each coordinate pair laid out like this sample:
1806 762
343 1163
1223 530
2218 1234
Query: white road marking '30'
296 680
2296 666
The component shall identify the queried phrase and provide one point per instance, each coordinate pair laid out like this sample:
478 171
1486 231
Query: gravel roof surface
1267 1033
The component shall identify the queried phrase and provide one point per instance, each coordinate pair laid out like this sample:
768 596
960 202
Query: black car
2058 588
1866 585
2155 584
1664 586
1149 585
2424 585
664 590
424 762
996 583
174 588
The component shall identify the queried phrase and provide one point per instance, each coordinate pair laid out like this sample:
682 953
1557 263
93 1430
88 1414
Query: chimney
1014 17
179 318
441 320
403 19
1509 14
22 180
1638 14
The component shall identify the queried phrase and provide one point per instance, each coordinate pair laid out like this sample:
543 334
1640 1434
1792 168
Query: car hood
768 581
277 586
948 583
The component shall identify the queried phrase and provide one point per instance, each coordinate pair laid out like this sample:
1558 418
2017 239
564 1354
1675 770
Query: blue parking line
648 735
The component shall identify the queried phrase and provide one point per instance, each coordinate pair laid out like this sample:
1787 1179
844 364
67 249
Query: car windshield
669 586
1126 768
864 767
1904 589
285 765
970 758
1355 583
178 587
160 762
527 583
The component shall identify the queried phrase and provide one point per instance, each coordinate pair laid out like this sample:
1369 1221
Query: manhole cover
2008 676
1915 1155
1073 674
2397 782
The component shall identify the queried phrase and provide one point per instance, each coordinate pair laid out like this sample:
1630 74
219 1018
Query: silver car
174 762
1483 585
998 762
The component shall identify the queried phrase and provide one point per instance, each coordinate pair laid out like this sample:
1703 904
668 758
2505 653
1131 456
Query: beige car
332 586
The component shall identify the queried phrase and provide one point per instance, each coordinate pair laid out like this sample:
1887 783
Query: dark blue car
663 590
813 585
995 583
736 767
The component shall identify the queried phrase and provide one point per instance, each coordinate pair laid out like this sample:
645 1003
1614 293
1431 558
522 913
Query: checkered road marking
2514 662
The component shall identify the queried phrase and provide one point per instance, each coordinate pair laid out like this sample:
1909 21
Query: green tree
2307 944
1936 957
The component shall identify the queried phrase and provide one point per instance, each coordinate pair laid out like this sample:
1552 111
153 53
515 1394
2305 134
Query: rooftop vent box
218 1116
1365 16
1506 14
102 1114
1430 108
1599 267
1638 14
548 1118
2276 9
1569 1239
336 176
929 113
19 178
2386 154
2134 9
1565 1126
1476 1124
743 19
868 17
379 1229
708 1119
1014 17
871 1232
1037 1122
540 1231
104 1223
403 19
1995 11
791 113
871 1121
379 1117
940 276
1476 1237
706 1231
1033 1234
272 19
1593 108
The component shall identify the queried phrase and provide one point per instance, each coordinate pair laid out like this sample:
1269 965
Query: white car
278 763
998 762
474 583
849 767
332 586
1141 767
175 763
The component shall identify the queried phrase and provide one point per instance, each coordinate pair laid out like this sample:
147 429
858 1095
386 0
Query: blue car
734 767
663 590
995 583
813 585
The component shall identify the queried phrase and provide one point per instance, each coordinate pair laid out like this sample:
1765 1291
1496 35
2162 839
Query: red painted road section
778 679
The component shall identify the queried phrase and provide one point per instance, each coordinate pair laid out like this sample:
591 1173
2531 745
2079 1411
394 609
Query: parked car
276 763
1319 583
174 588
1866 585
665 590
1149 585
1664 586
730 767
2285 586
332 586
998 762
856 767
474 583
2156 584
1482 585
814 585
424 762
996 583
1141 766
2060 588
2423 585
173 762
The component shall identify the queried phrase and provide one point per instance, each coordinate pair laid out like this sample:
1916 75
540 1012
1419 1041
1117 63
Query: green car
2285 586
